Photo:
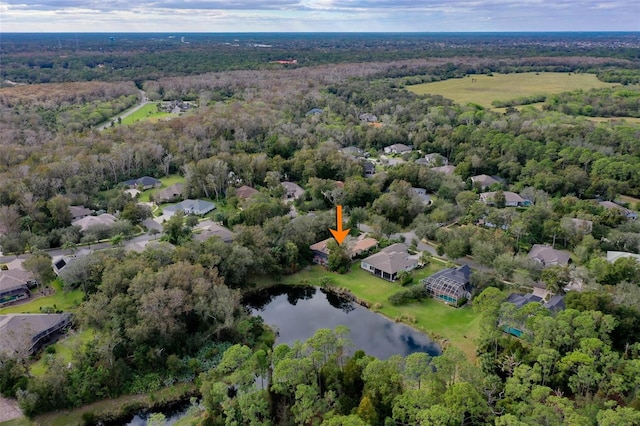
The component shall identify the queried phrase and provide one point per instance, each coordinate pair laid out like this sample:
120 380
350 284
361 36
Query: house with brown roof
356 247
245 192
169 194
389 262
548 256
433 159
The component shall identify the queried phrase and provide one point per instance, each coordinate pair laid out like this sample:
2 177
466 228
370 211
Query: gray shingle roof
392 259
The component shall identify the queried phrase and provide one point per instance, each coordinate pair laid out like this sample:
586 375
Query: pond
296 312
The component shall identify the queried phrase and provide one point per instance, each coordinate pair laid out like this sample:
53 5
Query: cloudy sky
317 15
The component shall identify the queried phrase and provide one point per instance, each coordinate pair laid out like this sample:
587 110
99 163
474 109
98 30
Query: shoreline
347 294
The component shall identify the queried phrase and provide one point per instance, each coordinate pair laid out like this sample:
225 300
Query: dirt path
9 409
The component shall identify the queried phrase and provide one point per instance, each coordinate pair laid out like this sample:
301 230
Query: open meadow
147 112
484 89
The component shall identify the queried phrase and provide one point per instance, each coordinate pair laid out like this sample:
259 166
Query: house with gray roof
433 160
389 262
484 181
189 206
515 325
548 256
422 194
511 199
78 212
292 191
612 256
27 333
610 205
450 286
207 229
397 148
146 182
15 285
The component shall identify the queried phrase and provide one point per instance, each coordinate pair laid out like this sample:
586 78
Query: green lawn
166 182
64 350
64 300
458 326
147 112
487 89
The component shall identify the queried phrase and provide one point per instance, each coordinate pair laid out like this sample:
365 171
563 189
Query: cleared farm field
484 89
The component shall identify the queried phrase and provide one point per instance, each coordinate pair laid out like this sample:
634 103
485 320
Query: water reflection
297 312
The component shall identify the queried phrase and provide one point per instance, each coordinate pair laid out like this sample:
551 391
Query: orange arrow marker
339 234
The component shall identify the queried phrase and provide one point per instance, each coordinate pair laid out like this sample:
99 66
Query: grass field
59 300
147 112
64 350
487 89
631 120
458 326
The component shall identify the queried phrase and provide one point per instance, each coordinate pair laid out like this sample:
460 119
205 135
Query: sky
317 15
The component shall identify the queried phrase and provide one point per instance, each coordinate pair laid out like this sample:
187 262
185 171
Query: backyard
458 326
60 300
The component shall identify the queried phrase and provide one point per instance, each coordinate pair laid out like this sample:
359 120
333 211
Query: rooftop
89 221
547 255
391 259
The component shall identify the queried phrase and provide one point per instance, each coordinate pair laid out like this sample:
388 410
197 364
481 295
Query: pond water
296 312
142 419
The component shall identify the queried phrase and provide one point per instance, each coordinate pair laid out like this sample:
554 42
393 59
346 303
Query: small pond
296 312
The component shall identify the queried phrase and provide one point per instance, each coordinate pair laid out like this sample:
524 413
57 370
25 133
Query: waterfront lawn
458 326
60 300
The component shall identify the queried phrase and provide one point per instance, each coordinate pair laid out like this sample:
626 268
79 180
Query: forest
172 312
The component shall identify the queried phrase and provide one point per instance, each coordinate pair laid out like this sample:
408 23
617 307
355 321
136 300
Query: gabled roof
548 255
315 111
245 191
392 259
458 275
356 246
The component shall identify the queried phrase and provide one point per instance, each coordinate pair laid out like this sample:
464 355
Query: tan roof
89 221
547 255
447 170
364 245
392 259
169 193
356 247
79 211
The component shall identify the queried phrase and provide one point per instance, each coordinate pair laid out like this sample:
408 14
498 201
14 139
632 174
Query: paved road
144 101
